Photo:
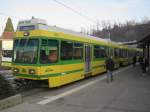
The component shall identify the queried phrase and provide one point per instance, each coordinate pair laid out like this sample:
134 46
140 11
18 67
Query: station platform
129 92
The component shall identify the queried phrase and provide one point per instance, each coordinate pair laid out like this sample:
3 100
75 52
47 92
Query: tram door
87 60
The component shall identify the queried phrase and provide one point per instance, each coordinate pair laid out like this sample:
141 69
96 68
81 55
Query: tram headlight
32 71
15 70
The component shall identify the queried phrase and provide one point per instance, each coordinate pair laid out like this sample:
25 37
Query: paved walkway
129 92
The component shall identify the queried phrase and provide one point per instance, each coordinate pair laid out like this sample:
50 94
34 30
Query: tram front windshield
25 51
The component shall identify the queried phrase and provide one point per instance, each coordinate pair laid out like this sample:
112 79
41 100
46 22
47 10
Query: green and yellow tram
60 56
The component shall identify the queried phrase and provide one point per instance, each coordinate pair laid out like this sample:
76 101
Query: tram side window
49 52
78 51
53 51
103 53
96 52
99 52
111 52
120 53
124 53
43 55
129 54
116 52
66 50
107 52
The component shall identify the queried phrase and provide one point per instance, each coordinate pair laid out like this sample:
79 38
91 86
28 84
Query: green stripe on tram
52 64
48 75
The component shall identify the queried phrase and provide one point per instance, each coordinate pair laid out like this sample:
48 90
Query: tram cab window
49 52
99 52
66 50
78 51
25 51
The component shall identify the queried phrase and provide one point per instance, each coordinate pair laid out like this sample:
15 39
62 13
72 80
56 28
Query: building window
7 53
66 50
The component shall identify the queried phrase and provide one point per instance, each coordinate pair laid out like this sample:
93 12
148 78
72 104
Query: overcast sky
56 14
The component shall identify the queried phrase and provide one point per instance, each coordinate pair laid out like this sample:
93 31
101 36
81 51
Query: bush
6 89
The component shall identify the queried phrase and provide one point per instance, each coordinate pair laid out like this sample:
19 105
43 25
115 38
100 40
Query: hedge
6 89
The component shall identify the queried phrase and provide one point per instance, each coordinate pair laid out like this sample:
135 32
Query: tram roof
41 24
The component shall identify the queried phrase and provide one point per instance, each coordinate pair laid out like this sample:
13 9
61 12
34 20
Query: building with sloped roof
7 35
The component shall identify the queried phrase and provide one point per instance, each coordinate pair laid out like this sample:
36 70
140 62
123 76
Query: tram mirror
47 51
45 48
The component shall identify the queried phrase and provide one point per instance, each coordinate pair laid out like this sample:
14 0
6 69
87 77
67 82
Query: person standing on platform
147 64
110 68
143 66
134 61
140 60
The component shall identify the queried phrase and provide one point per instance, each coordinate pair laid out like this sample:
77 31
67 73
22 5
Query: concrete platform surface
129 92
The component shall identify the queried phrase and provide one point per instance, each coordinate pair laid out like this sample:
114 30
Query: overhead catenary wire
64 5
75 11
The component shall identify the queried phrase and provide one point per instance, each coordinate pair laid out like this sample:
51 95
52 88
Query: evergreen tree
9 26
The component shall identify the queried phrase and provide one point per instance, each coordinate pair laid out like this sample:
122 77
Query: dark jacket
110 64
143 64
140 59
146 62
134 59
